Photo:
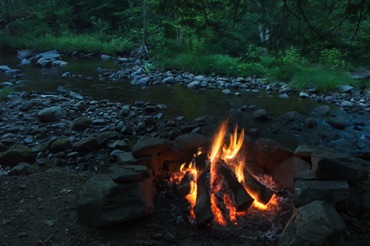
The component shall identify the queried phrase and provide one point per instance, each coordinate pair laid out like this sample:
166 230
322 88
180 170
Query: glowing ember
223 202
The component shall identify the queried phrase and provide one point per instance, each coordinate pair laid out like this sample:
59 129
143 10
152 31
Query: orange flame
231 154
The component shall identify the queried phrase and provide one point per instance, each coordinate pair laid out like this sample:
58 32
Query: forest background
307 43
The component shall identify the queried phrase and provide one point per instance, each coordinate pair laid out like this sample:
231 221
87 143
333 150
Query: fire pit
218 184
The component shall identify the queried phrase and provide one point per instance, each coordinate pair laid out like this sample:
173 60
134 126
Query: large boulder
104 202
317 223
15 155
285 171
269 153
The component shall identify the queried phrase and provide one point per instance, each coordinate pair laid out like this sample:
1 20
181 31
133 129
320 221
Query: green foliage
4 93
323 79
292 56
332 58
284 72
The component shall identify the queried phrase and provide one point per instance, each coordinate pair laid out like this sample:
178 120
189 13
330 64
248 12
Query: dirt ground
40 209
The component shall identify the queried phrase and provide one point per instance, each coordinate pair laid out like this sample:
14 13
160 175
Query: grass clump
4 93
71 42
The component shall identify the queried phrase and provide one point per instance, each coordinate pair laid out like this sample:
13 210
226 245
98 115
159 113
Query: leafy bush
332 58
323 79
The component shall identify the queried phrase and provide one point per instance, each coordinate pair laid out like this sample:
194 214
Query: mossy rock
15 155
80 123
60 145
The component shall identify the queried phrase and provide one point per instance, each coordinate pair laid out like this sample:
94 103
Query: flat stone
147 146
190 141
129 173
333 192
106 136
339 166
105 203
306 151
86 144
123 157
285 171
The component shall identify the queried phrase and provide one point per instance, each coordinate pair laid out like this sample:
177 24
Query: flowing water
180 100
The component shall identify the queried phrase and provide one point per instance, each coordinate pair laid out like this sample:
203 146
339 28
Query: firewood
260 192
241 198
184 187
202 208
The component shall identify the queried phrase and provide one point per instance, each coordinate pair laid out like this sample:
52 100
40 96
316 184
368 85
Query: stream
179 99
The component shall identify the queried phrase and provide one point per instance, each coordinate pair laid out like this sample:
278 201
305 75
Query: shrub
323 79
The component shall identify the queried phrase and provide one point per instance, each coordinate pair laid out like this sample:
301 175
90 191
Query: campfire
218 184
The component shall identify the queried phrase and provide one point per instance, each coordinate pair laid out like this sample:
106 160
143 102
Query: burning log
241 198
260 192
185 185
202 208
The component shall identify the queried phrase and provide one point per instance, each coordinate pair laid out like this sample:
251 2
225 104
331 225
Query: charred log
185 185
202 208
241 198
261 192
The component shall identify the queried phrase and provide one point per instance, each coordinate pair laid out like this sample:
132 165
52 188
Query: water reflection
180 100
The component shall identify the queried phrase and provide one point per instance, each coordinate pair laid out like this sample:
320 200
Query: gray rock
366 201
104 202
284 172
105 57
59 63
306 151
283 96
15 155
226 91
322 110
345 104
303 94
149 145
345 88
129 173
169 81
21 169
193 85
51 114
317 223
260 115
86 144
190 141
333 192
118 144
310 123
292 116
269 153
104 137
339 166
80 124
143 81
337 122
60 145
123 157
